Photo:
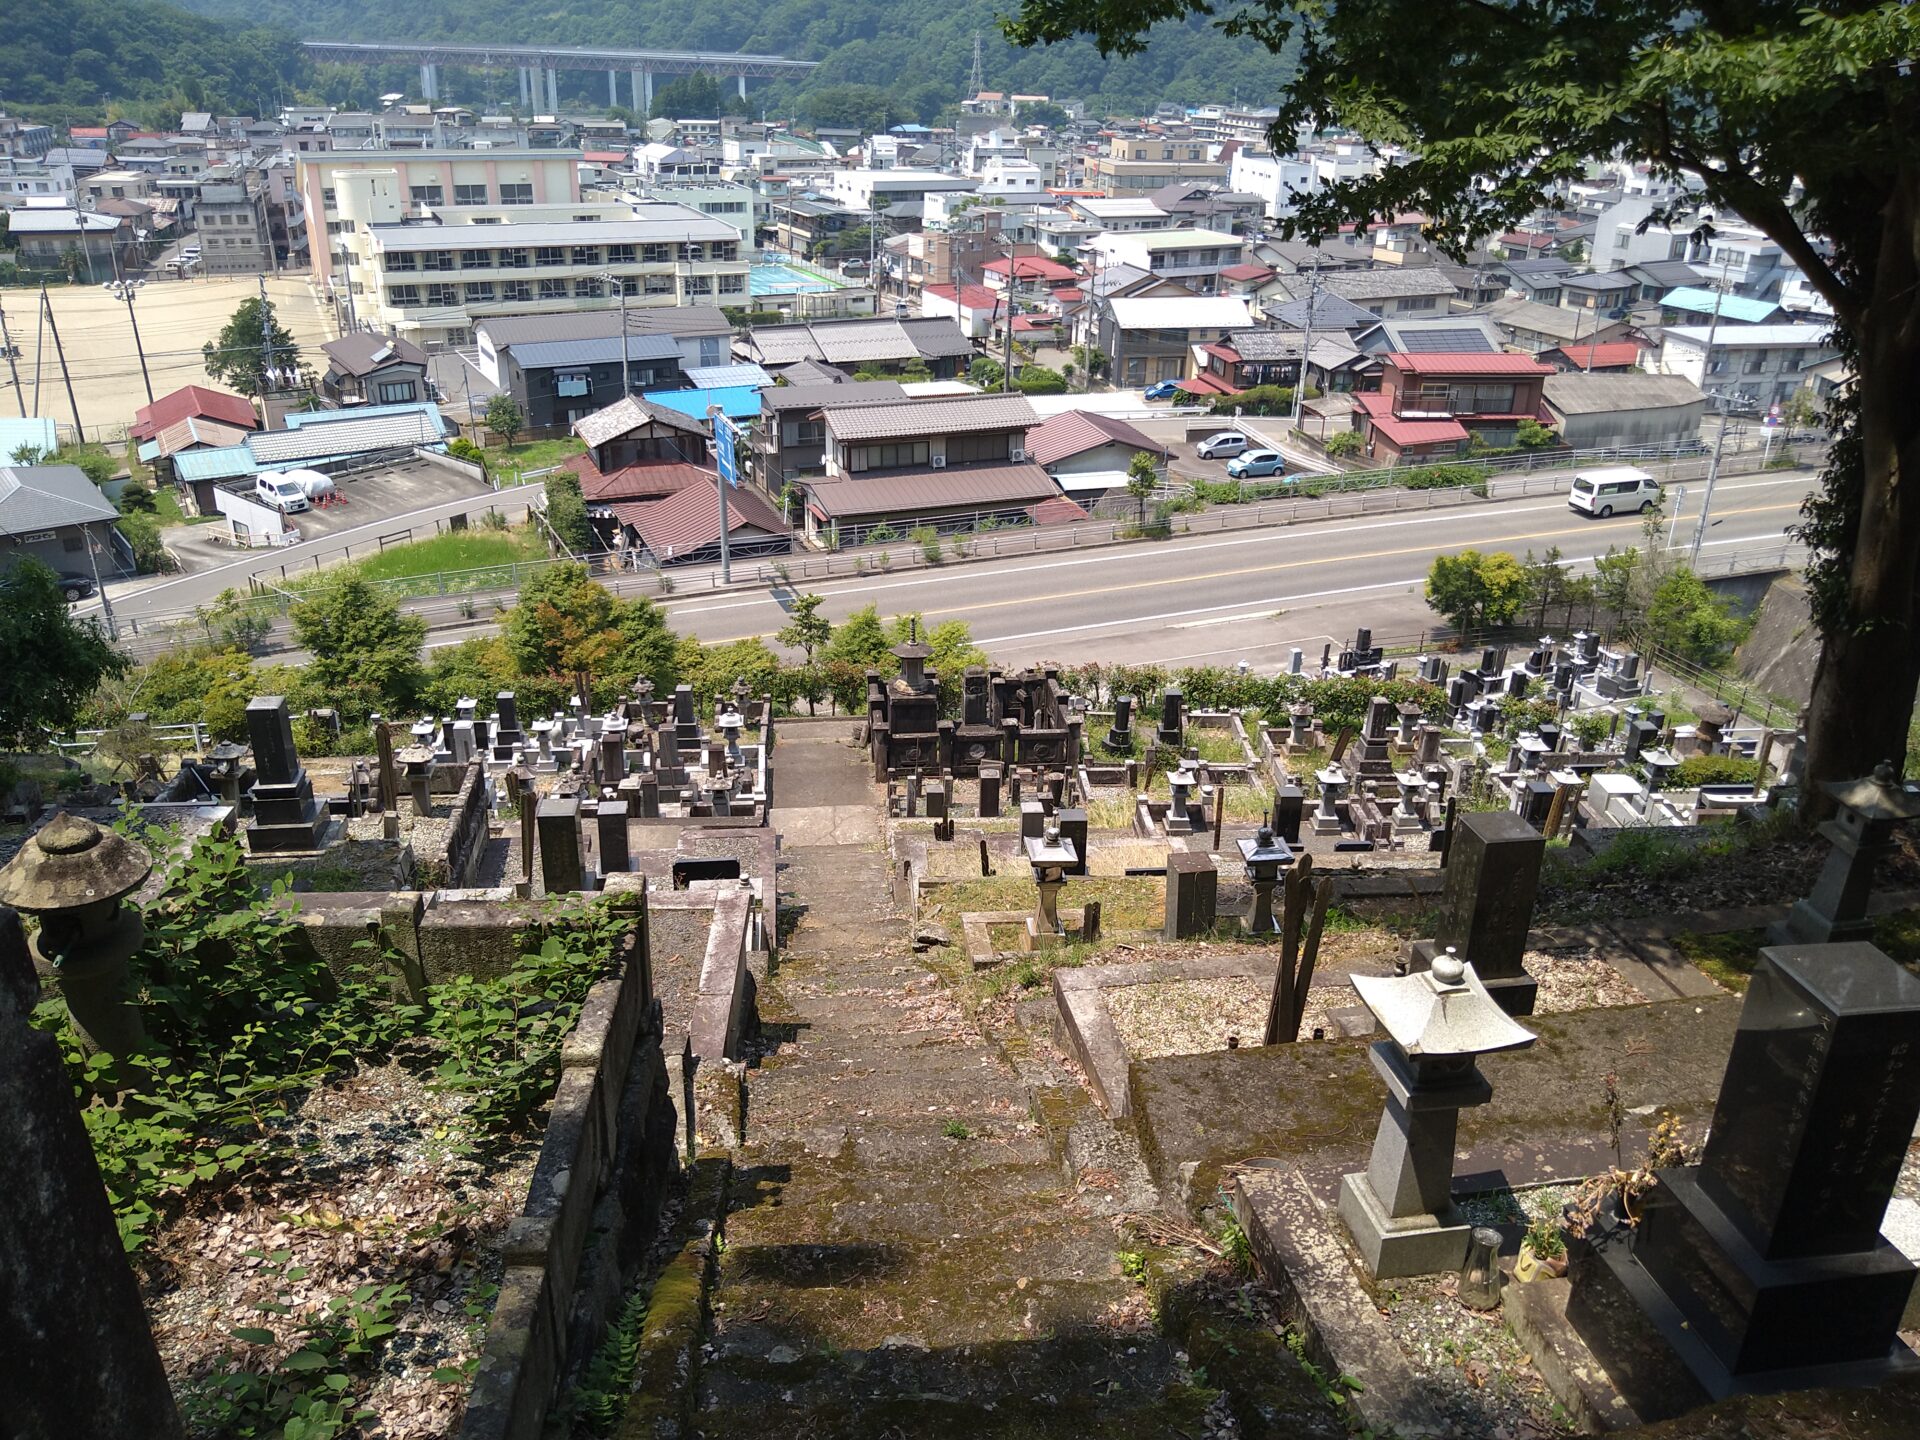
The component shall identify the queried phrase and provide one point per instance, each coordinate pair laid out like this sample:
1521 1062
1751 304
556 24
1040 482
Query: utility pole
99 585
60 352
1306 343
1720 438
6 343
626 368
266 342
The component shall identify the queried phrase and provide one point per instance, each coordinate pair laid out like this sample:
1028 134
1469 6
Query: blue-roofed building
736 402
29 434
320 439
1694 305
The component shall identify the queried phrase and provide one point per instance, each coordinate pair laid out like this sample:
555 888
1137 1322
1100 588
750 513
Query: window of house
443 294
403 295
553 289
658 285
973 449
326 198
713 349
396 392
620 254
888 457
470 194
812 433
586 288
586 255
514 260
570 384
516 290
1418 302
476 259
699 284
1483 399
516 194
480 290
1754 365
549 255
427 195
72 543
406 260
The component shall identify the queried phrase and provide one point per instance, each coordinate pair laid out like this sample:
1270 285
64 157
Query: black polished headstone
270 733
1486 907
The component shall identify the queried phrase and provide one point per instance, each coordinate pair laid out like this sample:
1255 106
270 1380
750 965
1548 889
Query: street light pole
716 420
125 288
626 367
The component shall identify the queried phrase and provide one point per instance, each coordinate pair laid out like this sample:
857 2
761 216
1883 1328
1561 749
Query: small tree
807 631
1472 589
1142 480
504 417
49 662
1344 442
366 652
567 512
239 356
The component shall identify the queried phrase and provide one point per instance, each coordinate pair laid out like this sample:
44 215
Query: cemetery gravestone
1193 887
286 817
561 870
1492 877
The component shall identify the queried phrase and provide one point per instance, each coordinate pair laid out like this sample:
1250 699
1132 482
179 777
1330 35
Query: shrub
1344 442
1716 770
1039 380
1445 477
1258 400
142 530
928 539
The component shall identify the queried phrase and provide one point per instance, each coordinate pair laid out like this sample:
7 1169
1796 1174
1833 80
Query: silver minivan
1617 490
1219 447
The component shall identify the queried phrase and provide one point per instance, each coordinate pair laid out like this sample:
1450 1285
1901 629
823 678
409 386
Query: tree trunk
1863 689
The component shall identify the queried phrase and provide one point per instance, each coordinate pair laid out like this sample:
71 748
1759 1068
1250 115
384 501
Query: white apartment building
1749 366
1193 257
738 205
905 191
431 280
1276 179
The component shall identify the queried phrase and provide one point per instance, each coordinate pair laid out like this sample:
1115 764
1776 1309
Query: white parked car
282 492
1219 447
312 483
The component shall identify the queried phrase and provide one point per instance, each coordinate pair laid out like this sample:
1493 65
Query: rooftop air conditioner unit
939 462
1019 455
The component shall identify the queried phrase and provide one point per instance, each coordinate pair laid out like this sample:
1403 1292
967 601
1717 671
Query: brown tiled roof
690 520
944 416
908 492
635 482
1072 431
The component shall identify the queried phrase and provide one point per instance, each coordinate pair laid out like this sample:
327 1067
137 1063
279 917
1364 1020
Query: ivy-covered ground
311 1177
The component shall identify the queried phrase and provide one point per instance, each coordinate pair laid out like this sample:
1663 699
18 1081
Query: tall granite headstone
1492 880
561 869
286 817
1763 1268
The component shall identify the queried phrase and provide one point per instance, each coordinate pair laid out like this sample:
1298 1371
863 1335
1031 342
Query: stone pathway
902 1255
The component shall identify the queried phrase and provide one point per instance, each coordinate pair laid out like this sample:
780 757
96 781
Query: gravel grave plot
1577 979
1477 1373
1194 1017
365 1188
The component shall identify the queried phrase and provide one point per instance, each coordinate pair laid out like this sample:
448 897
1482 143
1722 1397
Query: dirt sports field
176 318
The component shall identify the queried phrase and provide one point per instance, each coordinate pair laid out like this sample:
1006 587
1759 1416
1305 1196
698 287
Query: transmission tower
978 80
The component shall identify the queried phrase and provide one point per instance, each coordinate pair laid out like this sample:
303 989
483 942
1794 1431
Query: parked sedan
1162 390
76 587
1256 463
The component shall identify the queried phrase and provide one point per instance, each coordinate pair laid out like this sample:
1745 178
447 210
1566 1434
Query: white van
281 492
1613 491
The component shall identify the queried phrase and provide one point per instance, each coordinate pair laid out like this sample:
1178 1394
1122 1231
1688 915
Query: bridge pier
553 90
430 82
743 84
526 87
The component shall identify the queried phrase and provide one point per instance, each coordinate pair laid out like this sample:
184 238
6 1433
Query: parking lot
363 499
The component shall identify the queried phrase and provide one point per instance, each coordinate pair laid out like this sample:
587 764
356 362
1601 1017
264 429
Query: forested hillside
920 51
75 59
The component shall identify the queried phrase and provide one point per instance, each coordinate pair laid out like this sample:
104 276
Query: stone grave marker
1486 907
286 817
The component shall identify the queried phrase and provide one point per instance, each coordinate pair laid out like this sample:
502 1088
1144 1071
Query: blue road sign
724 458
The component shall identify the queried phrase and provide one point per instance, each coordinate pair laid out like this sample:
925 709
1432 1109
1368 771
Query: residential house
1408 290
1697 305
943 462
1209 207
1608 292
790 439
1430 406
1089 455
684 528
1153 338
24 139
1621 242
1193 258
1616 357
1539 279
46 236
934 344
1592 409
54 514
1322 312
976 309
312 440
1030 277
193 402
368 369
1747 367
1277 180
1659 277
1454 335
562 368
1537 328
900 195
1272 357
809 227
944 257
1120 215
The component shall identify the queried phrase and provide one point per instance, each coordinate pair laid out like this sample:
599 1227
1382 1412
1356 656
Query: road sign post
726 468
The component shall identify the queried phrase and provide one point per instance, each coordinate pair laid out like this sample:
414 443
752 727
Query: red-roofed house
1432 405
684 529
1087 454
975 307
1615 355
1033 275
193 402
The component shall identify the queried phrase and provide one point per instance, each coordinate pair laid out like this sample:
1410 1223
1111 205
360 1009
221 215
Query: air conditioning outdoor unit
939 462
1018 454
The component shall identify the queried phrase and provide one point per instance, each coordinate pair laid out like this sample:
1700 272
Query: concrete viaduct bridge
540 65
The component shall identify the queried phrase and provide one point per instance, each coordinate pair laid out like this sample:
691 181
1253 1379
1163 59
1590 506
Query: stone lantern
1861 833
1051 855
223 760
729 722
72 876
418 760
1264 855
1401 1211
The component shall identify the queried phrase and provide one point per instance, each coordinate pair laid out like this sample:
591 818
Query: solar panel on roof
1464 341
